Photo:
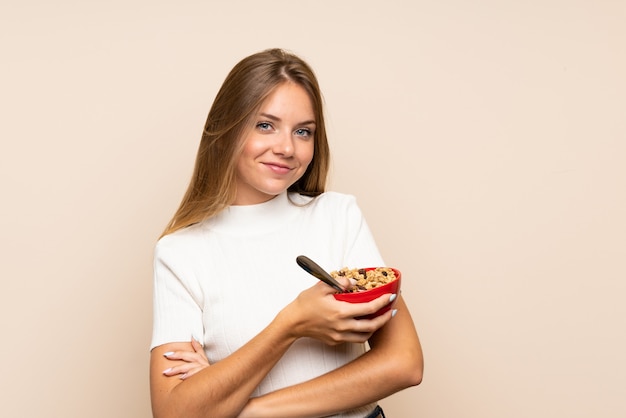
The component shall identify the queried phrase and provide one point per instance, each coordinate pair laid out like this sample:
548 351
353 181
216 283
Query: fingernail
394 312
169 353
167 370
393 297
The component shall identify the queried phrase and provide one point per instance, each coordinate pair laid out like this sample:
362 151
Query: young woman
273 340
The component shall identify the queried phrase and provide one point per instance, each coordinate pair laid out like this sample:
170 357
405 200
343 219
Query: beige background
485 140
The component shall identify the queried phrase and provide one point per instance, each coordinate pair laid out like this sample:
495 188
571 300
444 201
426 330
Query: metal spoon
313 269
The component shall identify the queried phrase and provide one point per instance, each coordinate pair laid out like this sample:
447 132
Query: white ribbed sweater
225 279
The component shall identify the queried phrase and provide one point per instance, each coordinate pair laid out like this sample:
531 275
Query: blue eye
303 132
264 126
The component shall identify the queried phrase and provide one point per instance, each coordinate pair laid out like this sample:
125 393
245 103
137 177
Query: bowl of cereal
371 282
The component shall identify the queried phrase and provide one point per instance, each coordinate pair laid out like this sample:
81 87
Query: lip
278 168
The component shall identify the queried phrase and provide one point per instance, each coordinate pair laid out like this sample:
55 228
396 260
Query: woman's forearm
394 363
223 388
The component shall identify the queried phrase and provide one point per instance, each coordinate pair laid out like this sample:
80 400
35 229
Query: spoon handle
313 269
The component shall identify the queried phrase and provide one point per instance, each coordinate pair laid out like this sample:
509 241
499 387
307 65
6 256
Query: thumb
346 283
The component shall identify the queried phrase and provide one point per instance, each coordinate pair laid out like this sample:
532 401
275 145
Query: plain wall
485 141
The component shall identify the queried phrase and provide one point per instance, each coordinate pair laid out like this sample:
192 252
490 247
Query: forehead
288 100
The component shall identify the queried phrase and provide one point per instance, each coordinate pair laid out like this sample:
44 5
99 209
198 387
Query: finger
371 325
380 302
385 299
199 349
345 282
183 368
188 356
190 373
358 310
196 345
354 338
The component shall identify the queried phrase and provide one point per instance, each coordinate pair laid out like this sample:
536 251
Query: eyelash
265 126
307 132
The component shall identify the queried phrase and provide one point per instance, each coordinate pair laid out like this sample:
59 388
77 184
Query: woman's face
278 147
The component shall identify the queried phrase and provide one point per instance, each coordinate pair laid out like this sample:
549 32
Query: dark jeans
377 413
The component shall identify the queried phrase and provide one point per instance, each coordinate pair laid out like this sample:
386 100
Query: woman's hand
195 361
317 314
394 362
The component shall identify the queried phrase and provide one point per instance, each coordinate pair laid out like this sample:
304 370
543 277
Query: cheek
252 147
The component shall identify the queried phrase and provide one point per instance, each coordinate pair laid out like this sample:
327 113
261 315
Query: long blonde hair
212 186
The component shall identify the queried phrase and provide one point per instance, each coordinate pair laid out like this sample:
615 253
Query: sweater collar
260 218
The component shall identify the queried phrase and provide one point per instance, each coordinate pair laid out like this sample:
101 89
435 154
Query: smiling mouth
278 168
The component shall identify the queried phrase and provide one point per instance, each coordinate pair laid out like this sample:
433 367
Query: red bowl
371 294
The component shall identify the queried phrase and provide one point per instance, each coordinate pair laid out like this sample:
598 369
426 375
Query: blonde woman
240 330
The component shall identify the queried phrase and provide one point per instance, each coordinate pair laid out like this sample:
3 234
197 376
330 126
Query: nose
284 144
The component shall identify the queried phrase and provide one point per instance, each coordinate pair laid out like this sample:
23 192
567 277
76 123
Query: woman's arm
220 389
394 363
223 389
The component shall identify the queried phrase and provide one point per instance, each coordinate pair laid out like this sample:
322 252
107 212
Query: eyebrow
277 119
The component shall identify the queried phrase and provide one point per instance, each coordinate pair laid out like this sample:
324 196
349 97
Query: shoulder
333 206
339 203
183 241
